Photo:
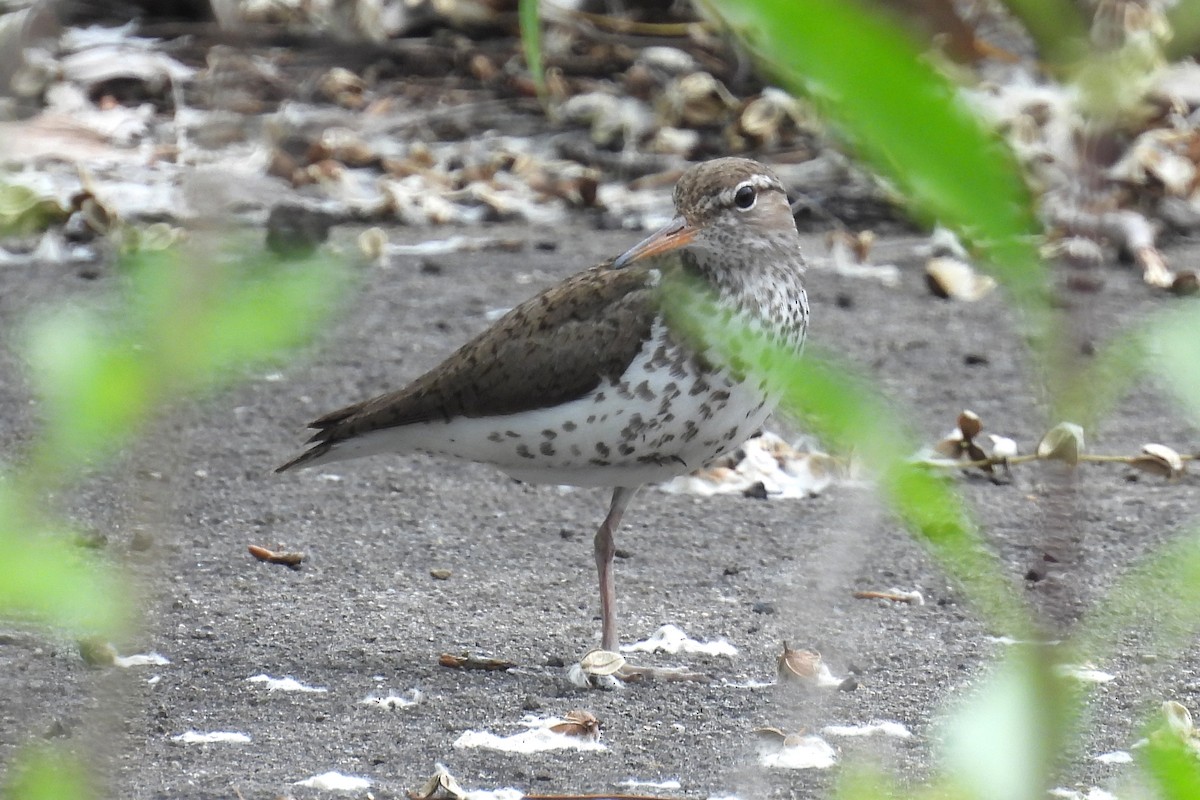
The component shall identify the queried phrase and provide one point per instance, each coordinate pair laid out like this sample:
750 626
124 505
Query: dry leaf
772 736
442 786
373 243
1179 719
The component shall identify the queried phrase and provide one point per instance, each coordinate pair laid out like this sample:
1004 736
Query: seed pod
951 279
969 424
579 723
802 665
1158 459
602 662
1064 442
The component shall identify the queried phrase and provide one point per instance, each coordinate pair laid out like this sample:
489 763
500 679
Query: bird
590 383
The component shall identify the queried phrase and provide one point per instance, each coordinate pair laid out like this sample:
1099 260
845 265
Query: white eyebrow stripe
758 181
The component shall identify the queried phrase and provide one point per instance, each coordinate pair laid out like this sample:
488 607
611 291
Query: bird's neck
762 286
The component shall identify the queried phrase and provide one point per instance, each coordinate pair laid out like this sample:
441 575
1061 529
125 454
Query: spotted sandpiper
588 383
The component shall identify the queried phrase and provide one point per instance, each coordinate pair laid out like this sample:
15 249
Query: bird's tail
309 458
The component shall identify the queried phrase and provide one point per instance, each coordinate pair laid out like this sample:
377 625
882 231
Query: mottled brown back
553 348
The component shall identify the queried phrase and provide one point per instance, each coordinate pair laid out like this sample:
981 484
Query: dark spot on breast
643 391
512 434
599 462
569 426
495 436
699 387
524 452
625 449
549 434
546 449
636 426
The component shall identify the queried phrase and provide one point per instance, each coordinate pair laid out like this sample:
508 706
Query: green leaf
93 381
45 578
1004 742
48 774
903 117
23 212
1057 27
848 413
1171 766
1173 344
531 43
1164 587
1184 18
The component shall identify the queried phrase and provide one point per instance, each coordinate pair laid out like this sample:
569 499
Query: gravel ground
364 616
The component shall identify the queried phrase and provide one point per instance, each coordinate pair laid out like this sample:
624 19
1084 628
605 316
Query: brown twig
475 662
1095 458
598 797
619 25
608 796
868 594
289 560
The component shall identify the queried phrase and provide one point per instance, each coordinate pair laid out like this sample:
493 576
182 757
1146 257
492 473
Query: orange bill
674 234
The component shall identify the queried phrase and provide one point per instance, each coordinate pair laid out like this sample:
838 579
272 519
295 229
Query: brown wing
553 348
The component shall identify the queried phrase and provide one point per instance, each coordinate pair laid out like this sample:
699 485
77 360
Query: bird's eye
744 198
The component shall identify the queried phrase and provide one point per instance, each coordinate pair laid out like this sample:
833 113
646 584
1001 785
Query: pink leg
605 548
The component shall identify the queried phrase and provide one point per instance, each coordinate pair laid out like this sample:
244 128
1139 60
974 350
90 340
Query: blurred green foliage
46 773
1007 741
23 212
178 322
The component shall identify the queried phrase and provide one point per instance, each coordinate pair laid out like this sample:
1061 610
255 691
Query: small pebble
757 491
439 574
